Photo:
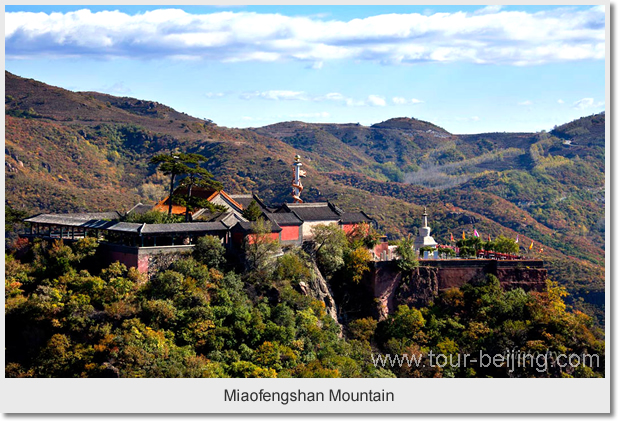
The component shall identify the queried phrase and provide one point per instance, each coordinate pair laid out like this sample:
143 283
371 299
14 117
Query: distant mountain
75 151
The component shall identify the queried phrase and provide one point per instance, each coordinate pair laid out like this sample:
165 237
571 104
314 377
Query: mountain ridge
546 186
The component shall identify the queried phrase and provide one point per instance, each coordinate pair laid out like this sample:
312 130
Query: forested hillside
76 151
206 317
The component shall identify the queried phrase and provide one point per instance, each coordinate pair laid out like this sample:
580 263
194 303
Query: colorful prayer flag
517 239
489 237
463 235
452 239
530 248
476 233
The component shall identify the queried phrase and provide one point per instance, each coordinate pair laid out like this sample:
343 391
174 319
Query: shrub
363 329
209 251
407 256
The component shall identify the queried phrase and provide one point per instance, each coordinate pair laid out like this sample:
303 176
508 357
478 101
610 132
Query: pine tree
253 211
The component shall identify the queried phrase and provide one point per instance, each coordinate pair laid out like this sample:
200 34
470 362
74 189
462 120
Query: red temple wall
348 228
289 233
273 236
128 259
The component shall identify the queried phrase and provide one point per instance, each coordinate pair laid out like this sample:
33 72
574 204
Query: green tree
430 249
365 235
406 323
210 251
260 246
292 267
85 247
153 217
505 245
12 217
330 246
177 164
198 177
407 255
363 329
173 166
253 211
470 246
356 263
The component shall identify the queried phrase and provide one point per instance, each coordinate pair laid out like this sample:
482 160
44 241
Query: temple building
135 243
424 239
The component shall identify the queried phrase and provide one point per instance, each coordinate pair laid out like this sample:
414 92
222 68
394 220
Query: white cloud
403 101
487 10
525 103
376 101
586 103
489 36
350 102
334 96
214 94
276 95
560 101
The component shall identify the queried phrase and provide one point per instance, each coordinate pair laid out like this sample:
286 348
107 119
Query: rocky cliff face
319 289
529 279
417 288
392 288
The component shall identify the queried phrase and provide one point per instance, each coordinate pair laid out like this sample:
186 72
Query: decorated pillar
297 186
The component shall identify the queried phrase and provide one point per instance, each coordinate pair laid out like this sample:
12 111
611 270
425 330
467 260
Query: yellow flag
463 235
531 245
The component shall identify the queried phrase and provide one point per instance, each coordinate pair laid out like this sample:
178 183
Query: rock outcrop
319 289
391 288
418 287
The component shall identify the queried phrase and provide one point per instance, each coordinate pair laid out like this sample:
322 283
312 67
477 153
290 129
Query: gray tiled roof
246 199
355 217
321 211
87 220
231 219
83 221
248 227
243 199
97 215
184 227
225 217
132 227
285 218
140 209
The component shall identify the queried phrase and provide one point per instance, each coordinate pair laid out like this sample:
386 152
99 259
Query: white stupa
424 238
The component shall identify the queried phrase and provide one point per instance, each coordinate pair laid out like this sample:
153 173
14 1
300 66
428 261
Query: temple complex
291 224
131 243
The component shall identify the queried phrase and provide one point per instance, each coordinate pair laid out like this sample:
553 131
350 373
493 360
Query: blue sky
468 69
